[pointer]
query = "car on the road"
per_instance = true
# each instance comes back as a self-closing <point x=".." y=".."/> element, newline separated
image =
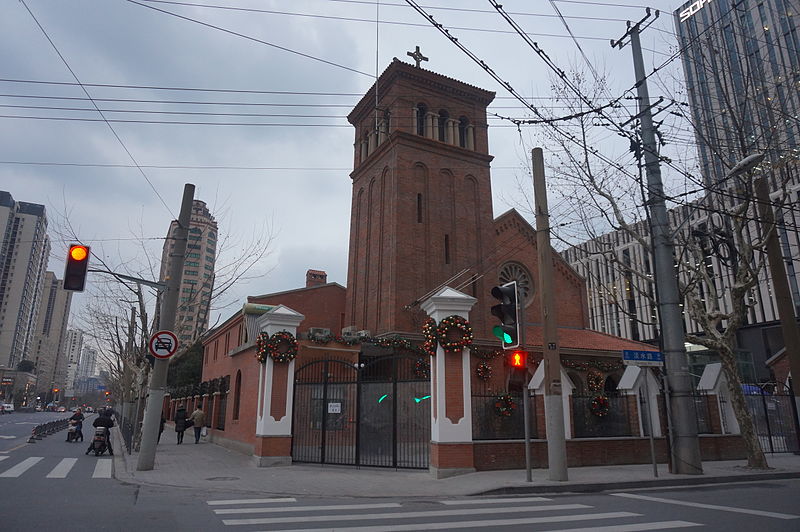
<point x="39" y="408"/>
<point x="62" y="409"/>
<point x="8" y="408"/>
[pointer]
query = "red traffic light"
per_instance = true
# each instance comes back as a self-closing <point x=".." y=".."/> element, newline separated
<point x="76" y="267"/>
<point x="518" y="359"/>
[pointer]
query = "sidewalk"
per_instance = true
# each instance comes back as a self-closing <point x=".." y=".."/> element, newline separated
<point x="211" y="467"/>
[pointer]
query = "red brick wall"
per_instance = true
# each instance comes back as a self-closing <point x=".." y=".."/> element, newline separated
<point x="602" y="451"/>
<point x="322" y="306"/>
<point x="516" y="241"/>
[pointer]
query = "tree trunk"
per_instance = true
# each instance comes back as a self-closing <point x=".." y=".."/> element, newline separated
<point x="755" y="456"/>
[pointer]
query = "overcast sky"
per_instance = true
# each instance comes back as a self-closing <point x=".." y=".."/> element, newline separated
<point x="287" y="175"/>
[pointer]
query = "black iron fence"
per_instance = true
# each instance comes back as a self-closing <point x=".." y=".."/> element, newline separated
<point x="701" y="408"/>
<point x="774" y="416"/>
<point x="595" y="418"/>
<point x="491" y="419"/>
<point x="126" y="429"/>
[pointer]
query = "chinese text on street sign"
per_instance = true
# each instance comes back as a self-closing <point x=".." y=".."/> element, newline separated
<point x="642" y="358"/>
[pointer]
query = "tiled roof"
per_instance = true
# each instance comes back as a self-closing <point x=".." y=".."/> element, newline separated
<point x="569" y="338"/>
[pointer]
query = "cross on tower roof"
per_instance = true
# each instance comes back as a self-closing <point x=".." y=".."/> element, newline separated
<point x="417" y="56"/>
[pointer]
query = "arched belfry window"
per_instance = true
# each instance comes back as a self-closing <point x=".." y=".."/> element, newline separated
<point x="422" y="111"/>
<point x="444" y="118"/>
<point x="463" y="125"/>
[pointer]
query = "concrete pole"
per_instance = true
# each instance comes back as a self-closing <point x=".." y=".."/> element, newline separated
<point x="553" y="402"/>
<point x="780" y="286"/>
<point x="166" y="322"/>
<point x="686" y="448"/>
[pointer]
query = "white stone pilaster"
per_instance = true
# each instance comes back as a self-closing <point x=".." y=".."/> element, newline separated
<point x="280" y="318"/>
<point x="448" y="302"/>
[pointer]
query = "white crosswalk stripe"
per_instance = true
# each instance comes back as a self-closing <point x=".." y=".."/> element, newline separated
<point x="251" y="501"/>
<point x="103" y="468"/>
<point x="21" y="467"/>
<point x="281" y="515"/>
<point x="57" y="468"/>
<point x="63" y="468"/>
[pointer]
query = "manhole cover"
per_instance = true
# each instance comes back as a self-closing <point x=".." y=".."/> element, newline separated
<point x="223" y="478"/>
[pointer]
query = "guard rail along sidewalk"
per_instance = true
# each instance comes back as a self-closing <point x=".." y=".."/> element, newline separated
<point x="45" y="429"/>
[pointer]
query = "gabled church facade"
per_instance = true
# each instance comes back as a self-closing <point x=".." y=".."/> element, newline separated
<point x="361" y="386"/>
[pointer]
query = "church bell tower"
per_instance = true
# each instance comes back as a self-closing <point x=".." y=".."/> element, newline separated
<point x="421" y="211"/>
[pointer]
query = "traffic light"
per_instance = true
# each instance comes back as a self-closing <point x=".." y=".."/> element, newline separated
<point x="508" y="330"/>
<point x="76" y="268"/>
<point x="518" y="359"/>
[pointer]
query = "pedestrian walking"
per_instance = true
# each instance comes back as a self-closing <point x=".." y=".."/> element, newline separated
<point x="161" y="427"/>
<point x="198" y="417"/>
<point x="180" y="423"/>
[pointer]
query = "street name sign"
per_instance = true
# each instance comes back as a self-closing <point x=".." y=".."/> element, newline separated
<point x="642" y="358"/>
<point x="163" y="344"/>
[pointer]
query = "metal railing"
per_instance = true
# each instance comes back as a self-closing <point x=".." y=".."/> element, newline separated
<point x="45" y="429"/>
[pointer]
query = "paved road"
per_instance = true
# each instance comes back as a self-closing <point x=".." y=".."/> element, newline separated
<point x="769" y="505"/>
<point x="52" y="485"/>
<point x="15" y="429"/>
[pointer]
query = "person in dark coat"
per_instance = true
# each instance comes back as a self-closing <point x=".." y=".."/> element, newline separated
<point x="78" y="418"/>
<point x="180" y="423"/>
<point x="161" y="427"/>
<point x="104" y="420"/>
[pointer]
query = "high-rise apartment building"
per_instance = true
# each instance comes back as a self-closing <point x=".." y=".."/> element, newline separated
<point x="197" y="278"/>
<point x="87" y="367"/>
<point x="24" y="251"/>
<point x="49" y="353"/>
<point x="73" y="348"/>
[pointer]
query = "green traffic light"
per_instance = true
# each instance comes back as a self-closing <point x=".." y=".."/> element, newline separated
<point x="501" y="334"/>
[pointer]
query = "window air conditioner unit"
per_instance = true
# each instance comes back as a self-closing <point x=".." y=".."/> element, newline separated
<point x="363" y="334"/>
<point x="318" y="332"/>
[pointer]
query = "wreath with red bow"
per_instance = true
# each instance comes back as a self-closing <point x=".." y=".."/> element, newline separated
<point x="281" y="347"/>
<point x="454" y="334"/>
<point x="600" y="406"/>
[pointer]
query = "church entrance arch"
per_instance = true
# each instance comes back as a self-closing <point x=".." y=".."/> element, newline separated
<point x="373" y="413"/>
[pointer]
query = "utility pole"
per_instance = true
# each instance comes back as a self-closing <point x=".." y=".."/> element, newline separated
<point x="166" y="322"/>
<point x="780" y="286"/>
<point x="553" y="400"/>
<point x="686" y="447"/>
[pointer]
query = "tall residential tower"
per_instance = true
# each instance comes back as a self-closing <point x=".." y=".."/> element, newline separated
<point x="197" y="280"/>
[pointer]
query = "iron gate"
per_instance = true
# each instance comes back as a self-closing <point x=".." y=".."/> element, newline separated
<point x="774" y="416"/>
<point x="375" y="413"/>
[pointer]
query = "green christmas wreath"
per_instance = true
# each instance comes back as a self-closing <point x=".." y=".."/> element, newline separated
<point x="281" y="347"/>
<point x="454" y="334"/>
<point x="504" y="405"/>
<point x="600" y="406"/>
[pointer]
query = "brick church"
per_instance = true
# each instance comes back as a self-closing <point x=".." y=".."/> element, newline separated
<point x="332" y="374"/>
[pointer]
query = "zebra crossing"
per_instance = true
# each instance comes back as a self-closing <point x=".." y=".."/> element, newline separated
<point x="530" y="513"/>
<point x="54" y="467"/>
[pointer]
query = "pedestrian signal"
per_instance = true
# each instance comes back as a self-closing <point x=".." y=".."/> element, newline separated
<point x="518" y="359"/>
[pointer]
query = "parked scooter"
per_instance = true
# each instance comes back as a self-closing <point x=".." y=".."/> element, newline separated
<point x="72" y="431"/>
<point x="100" y="441"/>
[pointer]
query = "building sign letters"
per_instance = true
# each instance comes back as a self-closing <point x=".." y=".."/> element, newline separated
<point x="687" y="13"/>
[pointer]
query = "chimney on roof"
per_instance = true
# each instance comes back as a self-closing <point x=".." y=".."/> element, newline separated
<point x="316" y="278"/>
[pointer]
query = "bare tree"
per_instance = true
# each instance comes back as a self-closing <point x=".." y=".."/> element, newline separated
<point x="719" y="261"/>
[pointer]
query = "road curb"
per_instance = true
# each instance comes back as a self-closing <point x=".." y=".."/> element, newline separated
<point x="594" y="487"/>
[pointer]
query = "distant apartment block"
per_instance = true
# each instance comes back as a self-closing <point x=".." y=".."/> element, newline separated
<point x="49" y="353"/>
<point x="24" y="251"/>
